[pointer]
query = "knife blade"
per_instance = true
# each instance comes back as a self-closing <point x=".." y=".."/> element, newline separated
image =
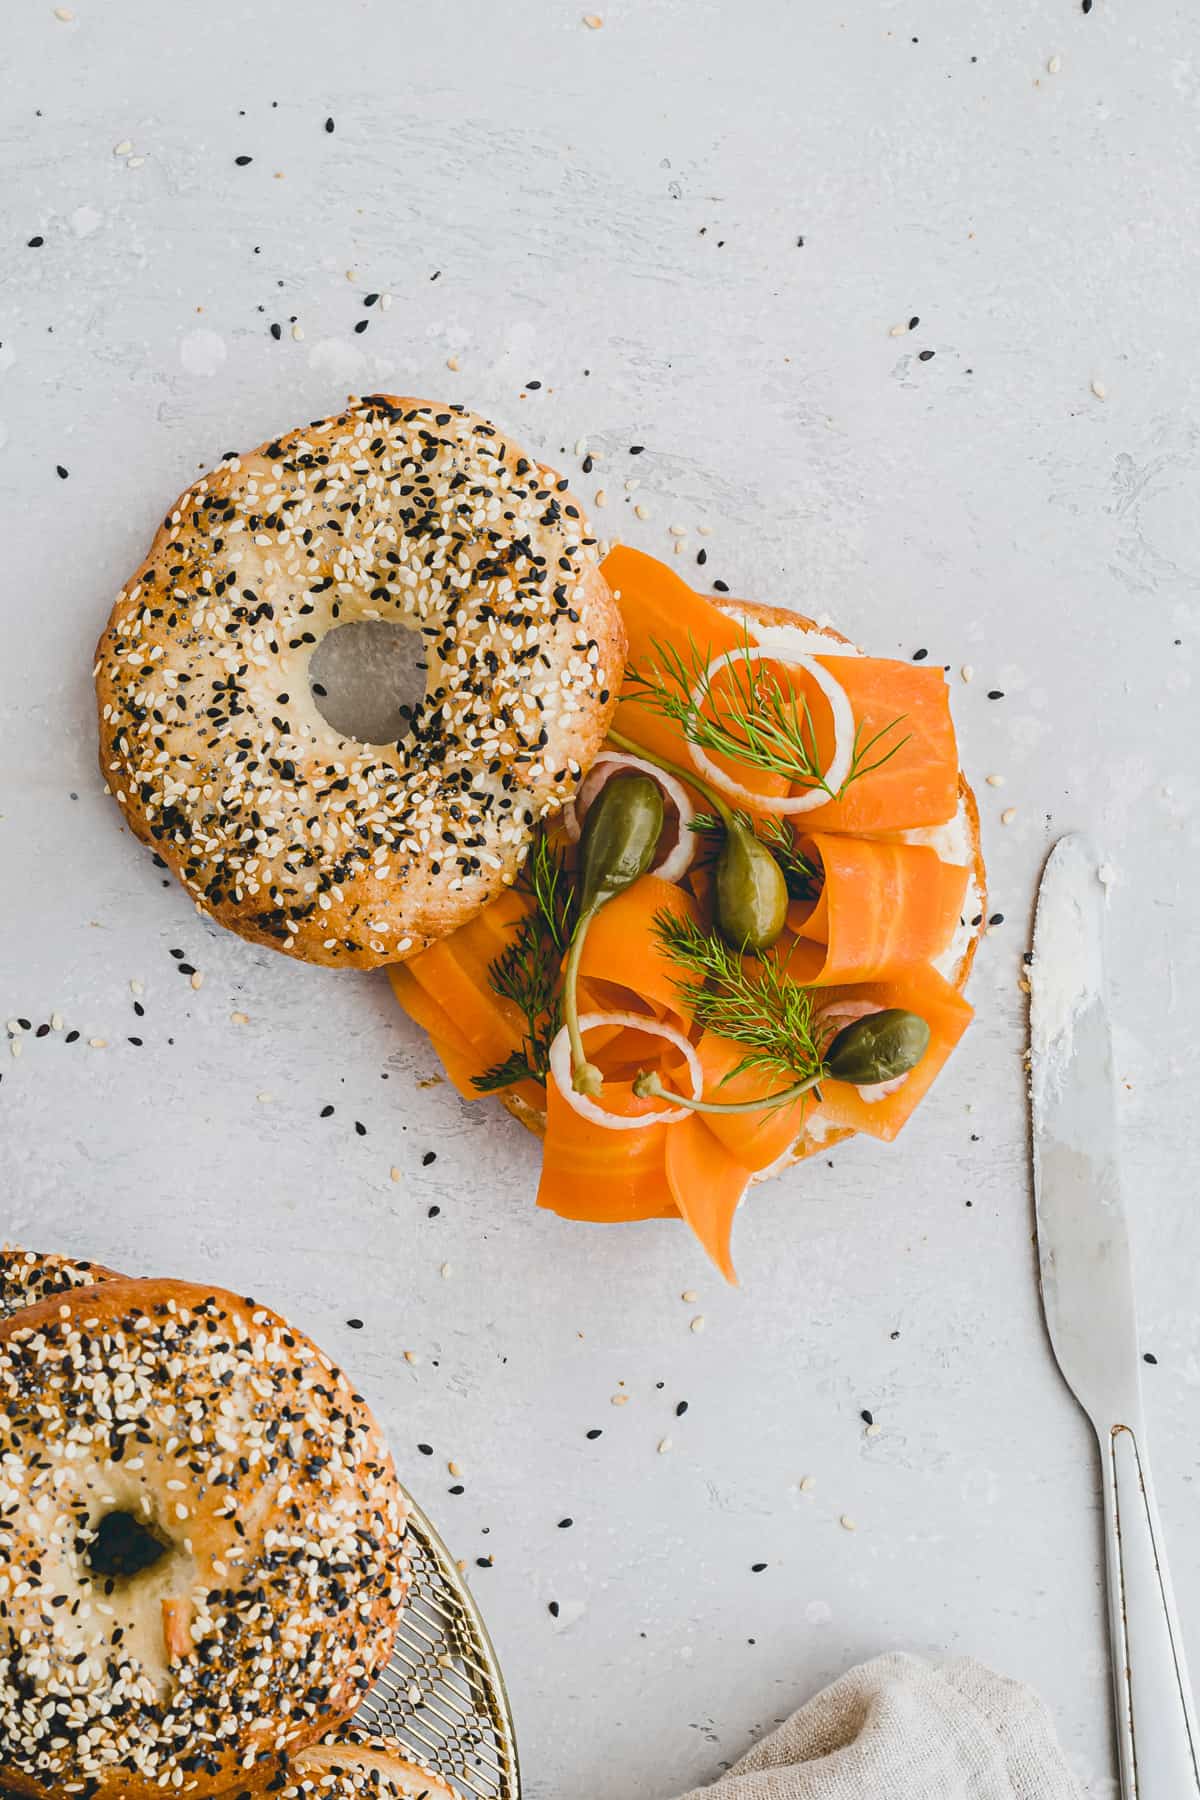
<point x="1083" y="1243"/>
<point x="1088" y="1299"/>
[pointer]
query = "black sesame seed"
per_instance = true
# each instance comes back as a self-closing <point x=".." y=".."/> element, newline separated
<point x="327" y="1112"/>
<point x="996" y="919"/>
<point x="594" y="1434"/>
<point x="139" y="1010"/>
<point x="433" y="1212"/>
<point x="552" y="1609"/>
<point x="1087" y="5"/>
<point x="136" y="1042"/>
<point x="702" y="557"/>
<point x="913" y="322"/>
<point x="587" y="465"/>
<point x="61" y="472"/>
<point x="35" y="243"/>
<point x="799" y="243"/>
<point x="1149" y="1356"/>
<point x="458" y="1488"/>
<point x="42" y="1031"/>
<point x="362" y="324"/>
<point x="355" y="1324"/>
<point x="867" y="1417"/>
<point x="329" y="125"/>
<point x="636" y="449"/>
<point x="241" y="161"/>
<point x="185" y="968"/>
<point x="483" y="1562"/>
<point x="533" y="385"/>
<point x="925" y="355"/>
<point x="72" y="1037"/>
<point x="920" y="655"/>
<point x="177" y="954"/>
<point x="893" y="1335"/>
<point x="565" y="1524"/>
<point x="277" y="332"/>
<point x="995" y="693"/>
<point x="757" y="1568"/>
<point x="360" y="1128"/>
<point x="722" y="587"/>
<point x="430" y="1156"/>
<point x="681" y="1409"/>
<point x="425" y="1449"/>
<point x="25" y="1024"/>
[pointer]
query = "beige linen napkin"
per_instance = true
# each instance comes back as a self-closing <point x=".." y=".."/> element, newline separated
<point x="898" y="1728"/>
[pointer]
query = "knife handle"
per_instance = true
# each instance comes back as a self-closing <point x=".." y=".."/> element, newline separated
<point x="1157" y="1738"/>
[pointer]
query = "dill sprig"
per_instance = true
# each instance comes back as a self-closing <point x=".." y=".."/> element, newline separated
<point x="800" y="873"/>
<point x="526" y="971"/>
<point x="752" y="1003"/>
<point x="749" y="720"/>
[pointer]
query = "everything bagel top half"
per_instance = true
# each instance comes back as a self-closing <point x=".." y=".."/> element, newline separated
<point x="280" y="827"/>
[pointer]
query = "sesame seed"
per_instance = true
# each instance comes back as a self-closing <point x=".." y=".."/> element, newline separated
<point x="966" y="673"/>
<point x="995" y="781"/>
<point x="242" y="161"/>
<point x="600" y="498"/>
<point x="1099" y="389"/>
<point x="619" y="1400"/>
<point x="1008" y="815"/>
<point x="807" y="1483"/>
<point x="196" y="979"/>
<point x="97" y="1043"/>
<point x="664" y="1444"/>
<point x="123" y="148"/>
<point x="698" y="1323"/>
<point x="847" y="1523"/>
<point x="239" y="1018"/>
<point x="1054" y="65"/>
<point x="593" y="21"/>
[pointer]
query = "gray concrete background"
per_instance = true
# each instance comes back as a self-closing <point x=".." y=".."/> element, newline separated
<point x="628" y="201"/>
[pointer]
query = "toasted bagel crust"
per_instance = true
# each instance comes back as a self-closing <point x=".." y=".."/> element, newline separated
<point x="283" y="829"/>
<point x="534" y="1119"/>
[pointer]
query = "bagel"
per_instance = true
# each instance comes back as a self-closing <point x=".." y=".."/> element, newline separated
<point x="202" y="1554"/>
<point x="358" y="1767"/>
<point x="287" y="831"/>
<point x="27" y="1276"/>
<point x="959" y="841"/>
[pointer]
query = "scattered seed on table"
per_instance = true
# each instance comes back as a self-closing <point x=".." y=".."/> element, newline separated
<point x="72" y="1037"/>
<point x="433" y="1212"/>
<point x="425" y="1449"/>
<point x="327" y="1112"/>
<point x="967" y="673"/>
<point x="1008" y="815"/>
<point x="995" y="780"/>
<point x="619" y="1400"/>
<point x="370" y="299"/>
<point x="913" y="322"/>
<point x="680" y="1409"/>
<point x="196" y="978"/>
<point x="355" y="1324"/>
<point x="847" y="1523"/>
<point x="97" y="1043"/>
<point x="874" y="1428"/>
<point x="807" y="1483"/>
<point x="594" y="1433"/>
<point x="483" y="1562"/>
<point x="360" y="1128"/>
<point x="702" y="557"/>
<point x="458" y="1488"/>
<point x="664" y="1445"/>
<point x="411" y="1356"/>
<point x="997" y="918"/>
<point x="277" y="332"/>
<point x="722" y="587"/>
<point x="995" y="693"/>
<point x="565" y="1524"/>
<point x="56" y="1021"/>
<point x="867" y="1417"/>
<point x="925" y="355"/>
<point x="1149" y="1356"/>
<point x="361" y="325"/>
<point x="394" y="1173"/>
<point x="239" y="1018"/>
<point x="1054" y="65"/>
<point x="601" y="498"/>
<point x="447" y="1271"/>
<point x="63" y="474"/>
<point x="757" y="1568"/>
<point x="329" y="125"/>
<point x="919" y="655"/>
<point x="1099" y="389"/>
<point x="552" y="1609"/>
<point x="35" y="243"/>
<point x="430" y="1156"/>
<point x="123" y="148"/>
<point x="643" y="512"/>
<point x="242" y="161"/>
<point x="698" y="1322"/>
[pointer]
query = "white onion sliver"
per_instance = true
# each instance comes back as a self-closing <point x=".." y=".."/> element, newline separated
<point x="560" y="1070"/>
<point x="843" y="735"/>
<point x="609" y="763"/>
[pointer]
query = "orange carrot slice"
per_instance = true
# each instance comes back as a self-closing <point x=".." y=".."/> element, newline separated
<point x="918" y="785"/>
<point x="454" y="974"/>
<point x="882" y="907"/>
<point x="756" y="1139"/>
<point x="920" y="990"/>
<point x="707" y="1183"/>
<point x="424" y="1010"/>
<point x="599" y="1176"/>
<point x="622" y="945"/>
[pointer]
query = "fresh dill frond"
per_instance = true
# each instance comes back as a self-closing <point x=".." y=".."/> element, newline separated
<point x="800" y="873"/>
<point x="752" y="1003"/>
<point x="504" y="1074"/>
<point x="527" y="969"/>
<point x="749" y="719"/>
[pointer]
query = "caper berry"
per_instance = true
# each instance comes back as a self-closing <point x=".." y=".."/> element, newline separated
<point x="878" y="1048"/>
<point x="751" y="893"/>
<point x="620" y="837"/>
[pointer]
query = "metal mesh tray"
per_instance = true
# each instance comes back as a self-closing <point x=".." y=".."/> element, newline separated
<point x="442" y="1693"/>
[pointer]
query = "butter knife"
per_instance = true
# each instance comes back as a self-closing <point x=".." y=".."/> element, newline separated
<point x="1087" y="1294"/>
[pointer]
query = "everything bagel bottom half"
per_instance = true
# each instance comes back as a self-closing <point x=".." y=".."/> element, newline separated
<point x="202" y="1555"/>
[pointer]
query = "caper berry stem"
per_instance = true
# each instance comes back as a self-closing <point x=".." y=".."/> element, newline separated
<point x="647" y="1086"/>
<point x="585" y="1076"/>
<point x="715" y="799"/>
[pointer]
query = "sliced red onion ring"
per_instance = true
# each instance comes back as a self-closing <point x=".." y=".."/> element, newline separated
<point x="560" y="1070"/>
<point x="843" y="735"/>
<point x="609" y="763"/>
<point x="844" y="1012"/>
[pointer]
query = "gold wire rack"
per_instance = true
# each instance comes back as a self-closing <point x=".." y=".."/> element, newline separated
<point x="442" y="1693"/>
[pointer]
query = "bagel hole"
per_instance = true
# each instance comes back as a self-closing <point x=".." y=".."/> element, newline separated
<point x="123" y="1546"/>
<point x="367" y="678"/>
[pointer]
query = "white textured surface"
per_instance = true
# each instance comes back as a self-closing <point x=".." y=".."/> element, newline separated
<point x="628" y="201"/>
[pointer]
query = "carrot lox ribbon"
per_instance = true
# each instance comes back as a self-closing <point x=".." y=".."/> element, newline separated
<point x="920" y="990"/>
<point x="882" y="907"/>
